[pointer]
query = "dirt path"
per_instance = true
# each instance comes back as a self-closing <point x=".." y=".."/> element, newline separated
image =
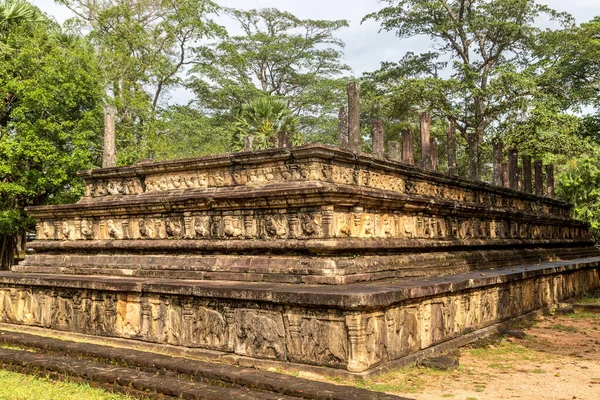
<point x="558" y="360"/>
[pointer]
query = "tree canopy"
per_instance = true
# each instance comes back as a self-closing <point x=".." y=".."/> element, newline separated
<point x="50" y="118"/>
<point x="295" y="60"/>
<point x="482" y="71"/>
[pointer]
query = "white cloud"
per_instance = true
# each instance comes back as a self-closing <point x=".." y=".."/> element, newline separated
<point x="59" y="12"/>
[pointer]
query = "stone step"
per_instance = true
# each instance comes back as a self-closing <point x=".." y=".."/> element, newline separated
<point x="326" y="270"/>
<point x="126" y="377"/>
<point x="136" y="372"/>
<point x="590" y="308"/>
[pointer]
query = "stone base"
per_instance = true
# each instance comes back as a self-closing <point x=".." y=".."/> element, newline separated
<point x="330" y="262"/>
<point x="355" y="328"/>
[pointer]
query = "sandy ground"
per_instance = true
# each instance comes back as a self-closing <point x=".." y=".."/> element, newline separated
<point x="558" y="360"/>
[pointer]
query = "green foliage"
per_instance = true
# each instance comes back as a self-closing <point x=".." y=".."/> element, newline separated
<point x="262" y="119"/>
<point x="579" y="184"/>
<point x="15" y="386"/>
<point x="488" y="47"/>
<point x="547" y="130"/>
<point x="18" y="12"/>
<point x="277" y="55"/>
<point x="572" y="61"/>
<point x="144" y="51"/>
<point x="50" y="120"/>
<point x="183" y="132"/>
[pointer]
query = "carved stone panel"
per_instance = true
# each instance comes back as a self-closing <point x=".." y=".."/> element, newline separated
<point x="402" y="334"/>
<point x="209" y="329"/>
<point x="259" y="334"/>
<point x="318" y="340"/>
<point x="129" y="315"/>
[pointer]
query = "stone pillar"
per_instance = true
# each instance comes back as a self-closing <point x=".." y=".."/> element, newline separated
<point x="505" y="180"/>
<point x="378" y="137"/>
<point x="343" y="141"/>
<point x="354" y="117"/>
<point x="394" y="151"/>
<point x="434" y="154"/>
<point x="426" y="141"/>
<point x="550" y="181"/>
<point x="513" y="169"/>
<point x="248" y="143"/>
<point x="451" y="135"/>
<point x="539" y="178"/>
<point x="526" y="176"/>
<point x="284" y="140"/>
<point x="109" y="158"/>
<point x="497" y="175"/>
<point x="407" y="147"/>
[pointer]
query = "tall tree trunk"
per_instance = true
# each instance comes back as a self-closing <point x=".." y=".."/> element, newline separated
<point x="8" y="245"/>
<point x="451" y="135"/>
<point x="473" y="143"/>
<point x="475" y="139"/>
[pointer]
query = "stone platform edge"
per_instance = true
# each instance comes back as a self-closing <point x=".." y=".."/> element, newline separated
<point x="280" y="367"/>
<point x="356" y="297"/>
<point x="355" y="328"/>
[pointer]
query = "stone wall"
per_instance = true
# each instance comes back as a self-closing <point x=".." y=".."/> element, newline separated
<point x="355" y="335"/>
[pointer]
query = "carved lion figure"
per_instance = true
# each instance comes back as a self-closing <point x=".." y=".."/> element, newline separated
<point x="114" y="231"/>
<point x="276" y="227"/>
<point x="87" y="231"/>
<point x="232" y="227"/>
<point x="173" y="228"/>
<point x="201" y="227"/>
<point x="66" y="231"/>
<point x="310" y="227"/>
<point x="146" y="229"/>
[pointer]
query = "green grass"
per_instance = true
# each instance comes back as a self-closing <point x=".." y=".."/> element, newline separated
<point x="538" y="371"/>
<point x="500" y="366"/>
<point x="583" y="315"/>
<point x="480" y="388"/>
<point x="589" y="299"/>
<point x="564" y="328"/>
<point x="15" y="386"/>
<point x="506" y="352"/>
<point x="405" y="380"/>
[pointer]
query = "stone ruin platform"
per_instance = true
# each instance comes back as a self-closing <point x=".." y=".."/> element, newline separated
<point x="311" y="257"/>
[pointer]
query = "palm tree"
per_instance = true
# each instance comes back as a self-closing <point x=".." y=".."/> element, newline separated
<point x="14" y="12"/>
<point x="262" y="119"/>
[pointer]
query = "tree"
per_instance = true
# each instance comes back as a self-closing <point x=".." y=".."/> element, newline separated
<point x="580" y="186"/>
<point x="263" y="119"/>
<point x="183" y="132"/>
<point x="572" y="59"/>
<point x="50" y="121"/>
<point x="280" y="55"/>
<point x="146" y="47"/>
<point x="18" y="12"/>
<point x="490" y="47"/>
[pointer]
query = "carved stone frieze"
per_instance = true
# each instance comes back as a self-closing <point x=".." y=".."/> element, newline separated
<point x="355" y="340"/>
<point x="260" y="334"/>
<point x="317" y="337"/>
<point x="301" y="224"/>
<point x="114" y="187"/>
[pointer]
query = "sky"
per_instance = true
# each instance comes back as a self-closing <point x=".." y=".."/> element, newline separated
<point x="366" y="47"/>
